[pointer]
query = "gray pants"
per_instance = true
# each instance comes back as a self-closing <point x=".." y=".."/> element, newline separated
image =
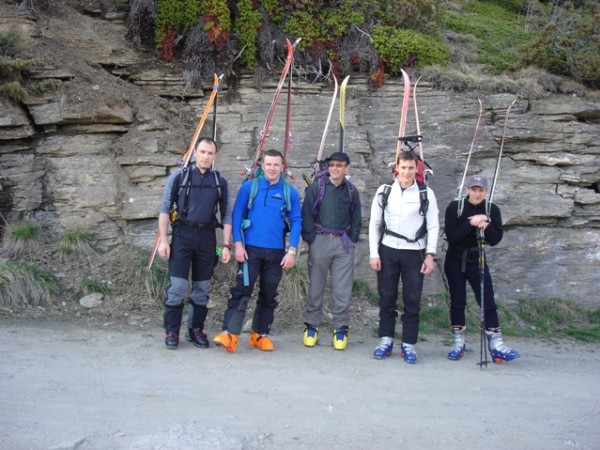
<point x="328" y="255"/>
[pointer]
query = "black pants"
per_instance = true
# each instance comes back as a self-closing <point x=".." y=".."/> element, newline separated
<point x="455" y="262"/>
<point x="396" y="265"/>
<point x="263" y="263"/>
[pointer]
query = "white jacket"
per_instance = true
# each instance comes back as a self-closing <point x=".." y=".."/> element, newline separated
<point x="402" y="217"/>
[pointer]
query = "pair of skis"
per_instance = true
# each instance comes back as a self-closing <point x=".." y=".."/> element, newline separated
<point x="211" y="103"/>
<point x="251" y="171"/>
<point x="407" y="143"/>
<point x="319" y="167"/>
<point x="481" y="257"/>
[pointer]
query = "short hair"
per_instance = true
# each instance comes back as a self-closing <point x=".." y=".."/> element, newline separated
<point x="409" y="155"/>
<point x="207" y="139"/>
<point x="273" y="152"/>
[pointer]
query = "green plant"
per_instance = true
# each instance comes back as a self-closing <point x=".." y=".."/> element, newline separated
<point x="24" y="284"/>
<point x="8" y="42"/>
<point x="248" y="24"/>
<point x="499" y="32"/>
<point x="13" y="91"/>
<point x="407" y="48"/>
<point x="22" y="239"/>
<point x="75" y="242"/>
<point x="361" y="289"/>
<point x="90" y="286"/>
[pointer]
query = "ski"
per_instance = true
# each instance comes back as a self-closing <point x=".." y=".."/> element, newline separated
<point x="499" y="158"/>
<point x="423" y="172"/>
<point x="403" y="140"/>
<point x="250" y="172"/>
<point x="318" y="167"/>
<point x="188" y="154"/>
<point x="403" y="114"/>
<point x="287" y="144"/>
<point x="343" y="113"/>
<point x="464" y="176"/>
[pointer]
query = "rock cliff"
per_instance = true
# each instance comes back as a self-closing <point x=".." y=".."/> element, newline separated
<point x="95" y="155"/>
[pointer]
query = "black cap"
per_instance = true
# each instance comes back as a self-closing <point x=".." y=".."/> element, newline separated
<point x="339" y="156"/>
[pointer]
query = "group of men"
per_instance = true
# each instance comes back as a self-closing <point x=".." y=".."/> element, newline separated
<point x="268" y="215"/>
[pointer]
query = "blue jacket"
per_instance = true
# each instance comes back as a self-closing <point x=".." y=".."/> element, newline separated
<point x="267" y="224"/>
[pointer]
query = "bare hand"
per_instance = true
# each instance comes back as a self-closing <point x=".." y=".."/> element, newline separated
<point x="427" y="266"/>
<point x="225" y="255"/>
<point x="288" y="261"/>
<point x="375" y="264"/>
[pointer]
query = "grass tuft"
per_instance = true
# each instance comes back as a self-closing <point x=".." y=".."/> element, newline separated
<point x="24" y="284"/>
<point x="22" y="240"/>
<point x="75" y="243"/>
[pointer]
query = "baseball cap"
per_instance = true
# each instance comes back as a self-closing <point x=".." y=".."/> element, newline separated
<point x="339" y="156"/>
<point x="477" y="180"/>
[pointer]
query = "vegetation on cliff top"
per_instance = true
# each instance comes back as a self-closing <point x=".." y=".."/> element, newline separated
<point x="374" y="36"/>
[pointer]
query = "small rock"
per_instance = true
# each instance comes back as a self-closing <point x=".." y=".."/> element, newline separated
<point x="92" y="300"/>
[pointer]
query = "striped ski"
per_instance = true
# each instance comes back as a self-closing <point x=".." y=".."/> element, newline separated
<point x="250" y="172"/>
<point x="188" y="154"/>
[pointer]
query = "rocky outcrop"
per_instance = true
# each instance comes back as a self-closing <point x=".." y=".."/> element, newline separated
<point x="96" y="154"/>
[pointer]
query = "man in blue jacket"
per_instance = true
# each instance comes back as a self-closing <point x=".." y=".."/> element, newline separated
<point x="263" y="210"/>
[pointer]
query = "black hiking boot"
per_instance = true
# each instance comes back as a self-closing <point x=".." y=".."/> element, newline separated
<point x="172" y="340"/>
<point x="198" y="337"/>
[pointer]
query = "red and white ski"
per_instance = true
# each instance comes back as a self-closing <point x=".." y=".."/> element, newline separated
<point x="250" y="172"/>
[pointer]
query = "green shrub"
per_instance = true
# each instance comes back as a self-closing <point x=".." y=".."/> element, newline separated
<point x="407" y="48"/>
<point x="8" y="43"/>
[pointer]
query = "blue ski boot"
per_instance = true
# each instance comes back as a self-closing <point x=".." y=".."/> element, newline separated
<point x="384" y="349"/>
<point x="498" y="350"/>
<point x="408" y="353"/>
<point x="457" y="350"/>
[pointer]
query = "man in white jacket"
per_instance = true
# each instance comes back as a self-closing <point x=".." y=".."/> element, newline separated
<point x="403" y="234"/>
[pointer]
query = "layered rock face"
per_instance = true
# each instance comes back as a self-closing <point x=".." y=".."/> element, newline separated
<point x="95" y="155"/>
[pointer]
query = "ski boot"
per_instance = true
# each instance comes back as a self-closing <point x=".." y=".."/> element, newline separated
<point x="499" y="351"/>
<point x="408" y="353"/>
<point x="457" y="350"/>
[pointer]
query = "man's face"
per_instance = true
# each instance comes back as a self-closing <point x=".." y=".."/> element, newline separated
<point x="476" y="194"/>
<point x="205" y="155"/>
<point x="337" y="170"/>
<point x="407" y="169"/>
<point x="272" y="167"/>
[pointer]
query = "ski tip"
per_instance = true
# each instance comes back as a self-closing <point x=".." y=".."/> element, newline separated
<point x="296" y="42"/>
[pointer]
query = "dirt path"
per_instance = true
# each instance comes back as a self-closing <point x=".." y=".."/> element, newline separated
<point x="64" y="385"/>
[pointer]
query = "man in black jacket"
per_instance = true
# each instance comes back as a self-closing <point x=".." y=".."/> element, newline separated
<point x="464" y="219"/>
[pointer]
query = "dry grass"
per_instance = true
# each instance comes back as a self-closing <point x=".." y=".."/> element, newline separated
<point x="22" y="240"/>
<point x="24" y="285"/>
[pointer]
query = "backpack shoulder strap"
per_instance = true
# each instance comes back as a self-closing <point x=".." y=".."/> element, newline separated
<point x="423" y="198"/>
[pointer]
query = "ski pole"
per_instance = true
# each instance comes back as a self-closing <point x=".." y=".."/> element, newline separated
<point x="483" y="361"/>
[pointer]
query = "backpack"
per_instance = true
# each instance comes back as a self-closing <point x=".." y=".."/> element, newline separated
<point x="322" y="180"/>
<point x="422" y="231"/>
<point x="187" y="186"/>
<point x="254" y="190"/>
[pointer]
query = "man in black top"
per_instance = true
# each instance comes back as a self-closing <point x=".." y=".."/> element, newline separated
<point x="197" y="193"/>
<point x="464" y="219"/>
